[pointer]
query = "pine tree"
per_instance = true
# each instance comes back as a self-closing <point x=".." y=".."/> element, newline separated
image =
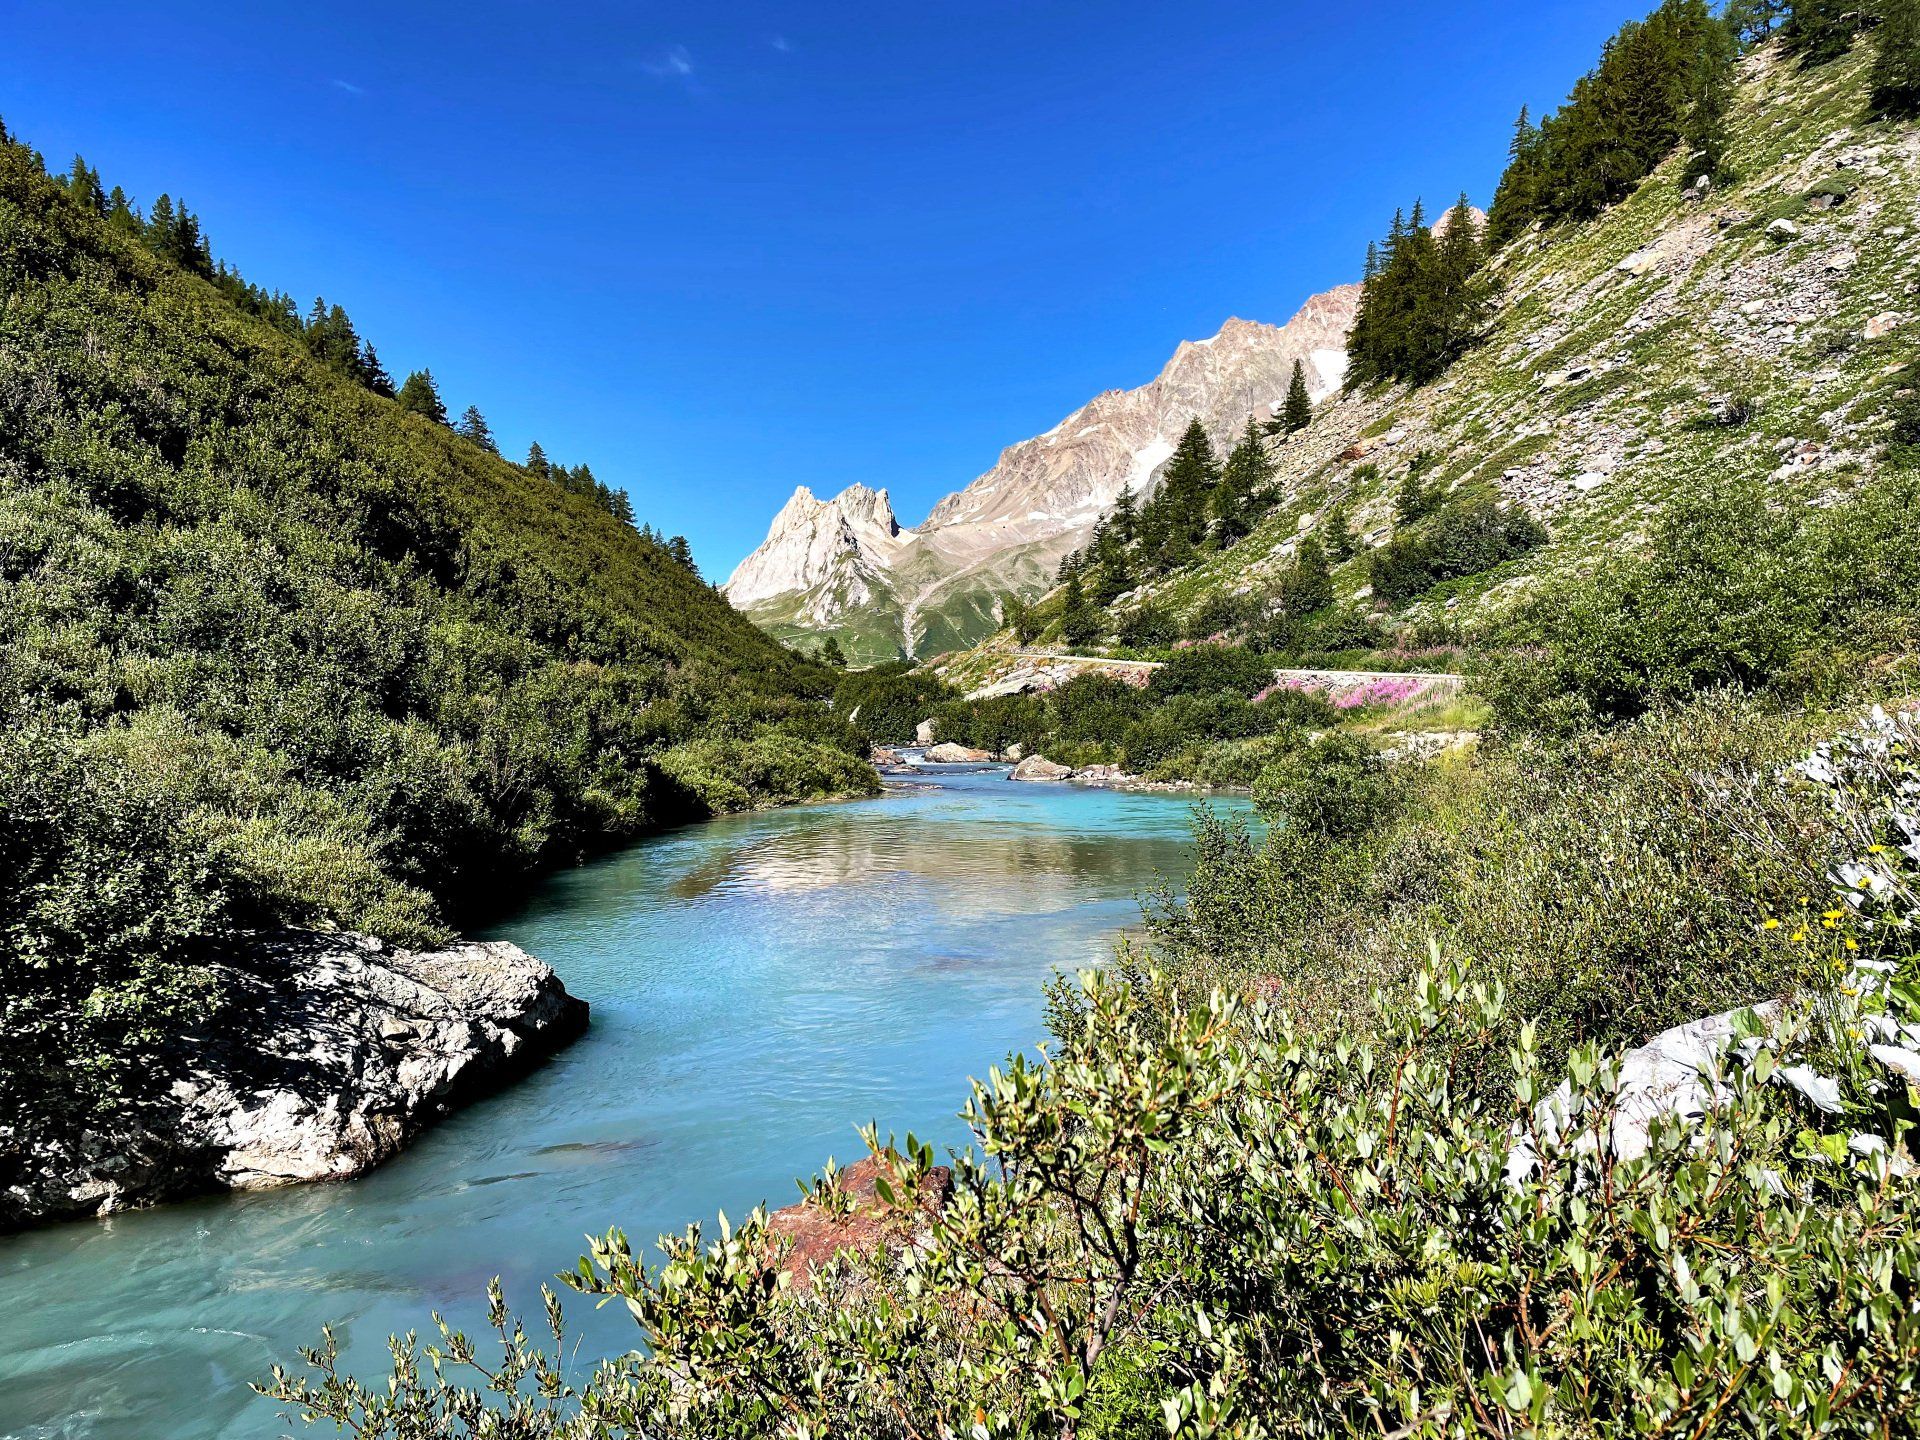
<point x="832" y="654"/>
<point x="1819" y="31"/>
<point x="1079" y="621"/>
<point x="83" y="186"/>
<point x="1298" y="411"/>
<point x="1516" y="200"/>
<point x="1342" y="544"/>
<point x="1191" y="475"/>
<point x="1243" y="481"/>
<point x="473" y="425"/>
<point x="1705" y="136"/>
<point x="121" y="214"/>
<point x="1307" y="585"/>
<point x="1751" y="22"/>
<point x="420" y="395"/>
<point x="373" y="374"/>
<point x="1124" y="517"/>
<point x="1896" y="62"/>
<point x="536" y="461"/>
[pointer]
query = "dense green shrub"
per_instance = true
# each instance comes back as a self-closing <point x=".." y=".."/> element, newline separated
<point x="1200" y="1222"/>
<point x="1614" y="884"/>
<point x="1210" y="669"/>
<point x="1734" y="590"/>
<point x="1465" y="536"/>
<point x="275" y="651"/>
<point x="887" y="703"/>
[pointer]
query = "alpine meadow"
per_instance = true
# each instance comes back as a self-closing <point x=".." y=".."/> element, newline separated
<point x="1368" y="885"/>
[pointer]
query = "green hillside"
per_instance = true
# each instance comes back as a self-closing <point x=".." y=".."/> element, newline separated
<point x="1684" y="341"/>
<point x="275" y="650"/>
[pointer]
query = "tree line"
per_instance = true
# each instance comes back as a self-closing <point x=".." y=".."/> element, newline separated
<point x="171" y="231"/>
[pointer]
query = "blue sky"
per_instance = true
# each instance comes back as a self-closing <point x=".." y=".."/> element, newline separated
<point x="717" y="251"/>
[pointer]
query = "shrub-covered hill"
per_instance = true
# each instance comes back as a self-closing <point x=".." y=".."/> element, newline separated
<point x="1752" y="332"/>
<point x="275" y="651"/>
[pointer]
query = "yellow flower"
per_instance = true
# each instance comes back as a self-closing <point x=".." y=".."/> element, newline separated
<point x="1770" y="925"/>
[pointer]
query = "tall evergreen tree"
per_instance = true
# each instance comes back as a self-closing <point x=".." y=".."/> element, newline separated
<point x="1297" y="414"/>
<point x="1191" y="475"/>
<point x="422" y="396"/>
<point x="121" y="214"/>
<point x="1341" y="543"/>
<point x="83" y="185"/>
<point x="1307" y="584"/>
<point x="1896" y="62"/>
<point x="473" y="425"/>
<point x="1079" y="620"/>
<point x="372" y="373"/>
<point x="1752" y="22"/>
<point x="536" y="461"/>
<point x="1243" y="481"/>
<point x="1516" y="201"/>
<point x="1819" y="31"/>
<point x="1124" y="517"/>
<point x="1704" y="136"/>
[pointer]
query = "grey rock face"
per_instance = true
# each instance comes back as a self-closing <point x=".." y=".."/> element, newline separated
<point x="332" y="1053"/>
<point x="1038" y="767"/>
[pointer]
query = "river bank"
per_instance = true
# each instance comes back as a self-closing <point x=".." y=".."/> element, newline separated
<point x="761" y="984"/>
<point x="329" y="1054"/>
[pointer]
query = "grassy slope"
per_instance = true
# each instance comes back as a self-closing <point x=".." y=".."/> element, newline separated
<point x="1664" y="348"/>
<point x="363" y="664"/>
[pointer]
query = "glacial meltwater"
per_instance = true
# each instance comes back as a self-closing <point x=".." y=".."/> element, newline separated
<point x="760" y="985"/>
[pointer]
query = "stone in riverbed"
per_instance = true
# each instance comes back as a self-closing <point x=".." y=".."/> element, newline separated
<point x="330" y="1056"/>
<point x="1038" y="767"/>
<point x="923" y="733"/>
<point x="859" y="1223"/>
<point x="948" y="753"/>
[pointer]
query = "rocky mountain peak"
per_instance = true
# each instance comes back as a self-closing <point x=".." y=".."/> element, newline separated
<point x="1008" y="529"/>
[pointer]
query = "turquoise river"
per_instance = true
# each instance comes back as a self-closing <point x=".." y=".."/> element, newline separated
<point x="760" y="985"/>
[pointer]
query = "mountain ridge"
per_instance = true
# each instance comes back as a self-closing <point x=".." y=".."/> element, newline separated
<point x="830" y="568"/>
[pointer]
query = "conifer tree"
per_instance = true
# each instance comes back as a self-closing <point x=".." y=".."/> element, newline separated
<point x="1751" y="22"/>
<point x="1819" y="31"/>
<point x="1079" y="621"/>
<point x="1307" y="584"/>
<point x="831" y="653"/>
<point x="1896" y="62"/>
<point x="1341" y="543"/>
<point x="420" y="395"/>
<point x="83" y="185"/>
<point x="1298" y="411"/>
<point x="1516" y="200"/>
<point x="372" y="373"/>
<point x="536" y="461"/>
<point x="1704" y="136"/>
<point x="1181" y="506"/>
<point x="120" y="213"/>
<point x="1124" y="517"/>
<point x="1243" y="480"/>
<point x="473" y="425"/>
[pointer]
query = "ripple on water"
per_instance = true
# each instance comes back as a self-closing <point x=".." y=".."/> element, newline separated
<point x="760" y="985"/>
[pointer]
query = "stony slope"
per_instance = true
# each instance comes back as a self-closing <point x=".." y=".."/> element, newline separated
<point x="845" y="567"/>
<point x="1599" y="392"/>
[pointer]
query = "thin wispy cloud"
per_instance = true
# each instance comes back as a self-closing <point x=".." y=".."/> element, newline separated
<point x="673" y="63"/>
<point x="781" y="43"/>
<point x="348" y="87"/>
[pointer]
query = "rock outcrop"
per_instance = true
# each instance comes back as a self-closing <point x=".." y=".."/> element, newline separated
<point x="948" y="753"/>
<point x="857" y="1222"/>
<point x="331" y="1054"/>
<point x="845" y="566"/>
<point x="1038" y="767"/>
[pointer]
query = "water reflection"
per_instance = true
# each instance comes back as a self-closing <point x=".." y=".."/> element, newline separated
<point x="760" y="986"/>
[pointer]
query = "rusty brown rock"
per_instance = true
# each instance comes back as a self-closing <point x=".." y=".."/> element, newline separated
<point x="812" y="1233"/>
